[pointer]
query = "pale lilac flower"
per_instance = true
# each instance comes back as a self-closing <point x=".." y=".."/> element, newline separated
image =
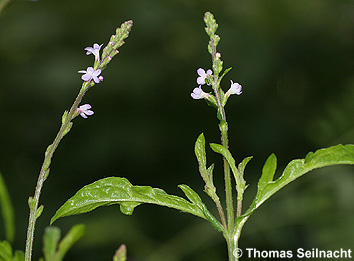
<point x="234" y="89"/>
<point x="198" y="93"/>
<point x="90" y="73"/>
<point x="203" y="75"/>
<point x="95" y="50"/>
<point x="85" y="110"/>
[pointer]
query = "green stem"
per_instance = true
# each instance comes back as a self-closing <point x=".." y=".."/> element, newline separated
<point x="45" y="169"/>
<point x="231" y="248"/>
<point x="221" y="213"/>
<point x="227" y="174"/>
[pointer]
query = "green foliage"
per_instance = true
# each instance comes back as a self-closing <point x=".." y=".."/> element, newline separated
<point x="55" y="252"/>
<point x="115" y="190"/>
<point x="335" y="155"/>
<point x="207" y="174"/>
<point x="240" y="182"/>
<point x="51" y="238"/>
<point x="7" y="211"/>
<point x="7" y="255"/>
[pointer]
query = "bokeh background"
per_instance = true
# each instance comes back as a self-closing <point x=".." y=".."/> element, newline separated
<point x="294" y="59"/>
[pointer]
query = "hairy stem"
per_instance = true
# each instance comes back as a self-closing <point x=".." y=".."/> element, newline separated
<point x="45" y="170"/>
<point x="224" y="141"/>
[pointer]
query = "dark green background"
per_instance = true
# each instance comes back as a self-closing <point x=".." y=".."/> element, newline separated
<point x="294" y="60"/>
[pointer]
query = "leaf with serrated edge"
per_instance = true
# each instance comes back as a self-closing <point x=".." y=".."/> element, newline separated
<point x="335" y="155"/>
<point x="115" y="190"/>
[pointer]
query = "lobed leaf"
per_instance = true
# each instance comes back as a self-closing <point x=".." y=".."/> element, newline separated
<point x="116" y="190"/>
<point x="335" y="155"/>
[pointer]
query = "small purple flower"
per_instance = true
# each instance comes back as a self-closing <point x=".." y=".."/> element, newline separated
<point x="90" y="73"/>
<point x="234" y="89"/>
<point x="95" y="50"/>
<point x="198" y="93"/>
<point x="203" y="75"/>
<point x="85" y="110"/>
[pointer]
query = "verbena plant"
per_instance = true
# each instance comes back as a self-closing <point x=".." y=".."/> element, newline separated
<point x="118" y="190"/>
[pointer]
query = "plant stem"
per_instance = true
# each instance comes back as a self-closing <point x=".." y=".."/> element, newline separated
<point x="221" y="213"/>
<point x="45" y="170"/>
<point x="231" y="248"/>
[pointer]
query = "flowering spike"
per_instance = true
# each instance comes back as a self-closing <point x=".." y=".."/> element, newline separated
<point x="115" y="42"/>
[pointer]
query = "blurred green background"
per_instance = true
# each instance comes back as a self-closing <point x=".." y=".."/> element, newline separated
<point x="294" y="59"/>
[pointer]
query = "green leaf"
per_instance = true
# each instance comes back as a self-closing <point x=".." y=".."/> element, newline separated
<point x="199" y="150"/>
<point x="225" y="72"/>
<point x="121" y="253"/>
<point x="51" y="238"/>
<point x="194" y="198"/>
<point x="7" y="211"/>
<point x="335" y="155"/>
<point x="240" y="183"/>
<point x="63" y="118"/>
<point x="115" y="190"/>
<point x="242" y="165"/>
<point x="39" y="211"/>
<point x="19" y="255"/>
<point x="5" y="251"/>
<point x="268" y="172"/>
<point x="74" y="234"/>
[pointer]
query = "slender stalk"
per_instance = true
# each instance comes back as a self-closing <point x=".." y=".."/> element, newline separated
<point x="221" y="213"/>
<point x="224" y="141"/>
<point x="45" y="170"/>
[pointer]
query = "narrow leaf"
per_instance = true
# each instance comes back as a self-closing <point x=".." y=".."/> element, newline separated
<point x="199" y="150"/>
<point x="240" y="183"/>
<point x="51" y="238"/>
<point x="7" y="211"/>
<point x="74" y="234"/>
<point x="115" y="190"/>
<point x="335" y="155"/>
<point x="268" y="172"/>
<point x="194" y="197"/>
<point x="242" y="165"/>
